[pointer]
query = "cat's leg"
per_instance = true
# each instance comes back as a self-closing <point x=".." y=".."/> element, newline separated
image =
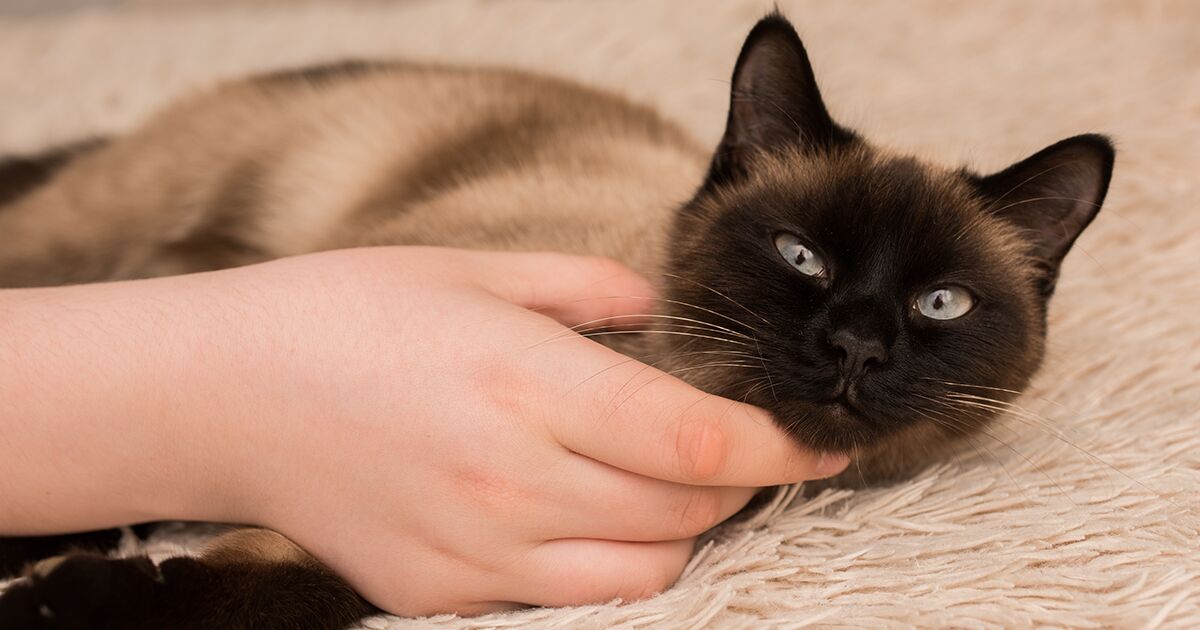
<point x="250" y="578"/>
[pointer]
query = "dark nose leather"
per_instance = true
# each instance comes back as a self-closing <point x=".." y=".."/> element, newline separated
<point x="858" y="353"/>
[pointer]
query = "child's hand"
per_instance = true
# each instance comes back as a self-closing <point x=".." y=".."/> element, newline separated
<point x="405" y="416"/>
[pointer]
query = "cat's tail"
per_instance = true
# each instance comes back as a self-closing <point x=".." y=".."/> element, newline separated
<point x="21" y="175"/>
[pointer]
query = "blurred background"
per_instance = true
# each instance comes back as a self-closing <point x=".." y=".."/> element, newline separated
<point x="42" y="7"/>
<point x="32" y="7"/>
<point x="46" y="7"/>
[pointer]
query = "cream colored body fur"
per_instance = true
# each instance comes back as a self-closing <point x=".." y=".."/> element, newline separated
<point x="396" y="154"/>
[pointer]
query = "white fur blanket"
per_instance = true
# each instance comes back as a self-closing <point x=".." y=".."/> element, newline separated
<point x="1081" y="512"/>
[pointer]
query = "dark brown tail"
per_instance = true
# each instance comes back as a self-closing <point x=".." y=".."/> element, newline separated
<point x="18" y="553"/>
<point x="248" y="579"/>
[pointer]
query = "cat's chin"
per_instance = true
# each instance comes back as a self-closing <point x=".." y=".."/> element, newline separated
<point x="841" y="418"/>
<point x="834" y="426"/>
<point x="840" y="413"/>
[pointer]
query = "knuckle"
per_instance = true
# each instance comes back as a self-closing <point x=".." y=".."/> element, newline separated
<point x="492" y="491"/>
<point x="703" y="448"/>
<point x="697" y="513"/>
<point x="509" y="389"/>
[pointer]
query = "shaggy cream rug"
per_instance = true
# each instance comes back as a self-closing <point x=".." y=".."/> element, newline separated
<point x="1080" y="512"/>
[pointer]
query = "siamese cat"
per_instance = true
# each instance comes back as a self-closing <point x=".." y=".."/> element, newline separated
<point x="873" y="285"/>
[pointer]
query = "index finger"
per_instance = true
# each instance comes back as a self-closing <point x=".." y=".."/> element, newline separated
<point x="635" y="417"/>
<point x="573" y="290"/>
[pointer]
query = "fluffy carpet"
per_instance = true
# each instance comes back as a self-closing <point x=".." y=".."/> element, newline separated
<point x="1080" y="511"/>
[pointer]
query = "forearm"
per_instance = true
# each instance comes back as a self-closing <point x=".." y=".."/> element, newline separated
<point x="96" y="426"/>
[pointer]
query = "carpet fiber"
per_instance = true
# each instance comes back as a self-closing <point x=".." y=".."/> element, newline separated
<point x="1080" y="511"/>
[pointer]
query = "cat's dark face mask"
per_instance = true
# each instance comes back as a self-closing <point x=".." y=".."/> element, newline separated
<point x="871" y="302"/>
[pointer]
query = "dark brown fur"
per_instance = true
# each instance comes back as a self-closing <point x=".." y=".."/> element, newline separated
<point x="247" y="579"/>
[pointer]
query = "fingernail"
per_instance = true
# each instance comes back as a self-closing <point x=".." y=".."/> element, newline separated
<point x="829" y="464"/>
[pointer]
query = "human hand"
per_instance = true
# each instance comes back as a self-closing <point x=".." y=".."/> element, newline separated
<point x="403" y="415"/>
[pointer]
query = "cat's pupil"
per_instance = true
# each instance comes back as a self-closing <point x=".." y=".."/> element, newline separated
<point x="945" y="303"/>
<point x="804" y="259"/>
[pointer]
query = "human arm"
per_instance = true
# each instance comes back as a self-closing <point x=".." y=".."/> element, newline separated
<point x="399" y="412"/>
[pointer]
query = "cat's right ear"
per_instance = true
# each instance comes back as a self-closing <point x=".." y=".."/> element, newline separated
<point x="774" y="102"/>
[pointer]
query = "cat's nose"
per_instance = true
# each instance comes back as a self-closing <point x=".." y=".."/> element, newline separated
<point x="858" y="353"/>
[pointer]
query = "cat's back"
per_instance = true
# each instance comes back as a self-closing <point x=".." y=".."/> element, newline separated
<point x="395" y="153"/>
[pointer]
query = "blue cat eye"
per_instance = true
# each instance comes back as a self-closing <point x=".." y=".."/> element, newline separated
<point x="800" y="256"/>
<point x="945" y="303"/>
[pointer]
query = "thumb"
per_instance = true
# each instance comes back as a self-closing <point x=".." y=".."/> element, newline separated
<point x="571" y="289"/>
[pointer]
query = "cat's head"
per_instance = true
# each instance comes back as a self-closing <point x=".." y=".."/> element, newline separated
<point x="875" y="304"/>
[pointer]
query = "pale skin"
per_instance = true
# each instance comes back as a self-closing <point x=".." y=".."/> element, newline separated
<point x="419" y="419"/>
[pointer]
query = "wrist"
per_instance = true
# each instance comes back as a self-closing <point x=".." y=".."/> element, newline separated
<point x="100" y="432"/>
<point x="200" y="398"/>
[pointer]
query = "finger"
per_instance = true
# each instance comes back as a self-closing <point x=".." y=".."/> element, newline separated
<point x="600" y="501"/>
<point x="575" y="290"/>
<point x="632" y="416"/>
<point x="574" y="572"/>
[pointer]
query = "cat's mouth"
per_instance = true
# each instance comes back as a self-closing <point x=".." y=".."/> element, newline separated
<point x="843" y="418"/>
<point x="842" y="410"/>
<point x="846" y="398"/>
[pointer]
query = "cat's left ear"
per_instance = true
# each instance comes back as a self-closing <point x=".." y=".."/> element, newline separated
<point x="1052" y="195"/>
<point x="774" y="102"/>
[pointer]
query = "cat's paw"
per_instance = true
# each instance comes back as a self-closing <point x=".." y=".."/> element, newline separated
<point x="83" y="591"/>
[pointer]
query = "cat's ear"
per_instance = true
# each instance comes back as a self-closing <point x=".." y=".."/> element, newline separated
<point x="774" y="102"/>
<point x="1052" y="195"/>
